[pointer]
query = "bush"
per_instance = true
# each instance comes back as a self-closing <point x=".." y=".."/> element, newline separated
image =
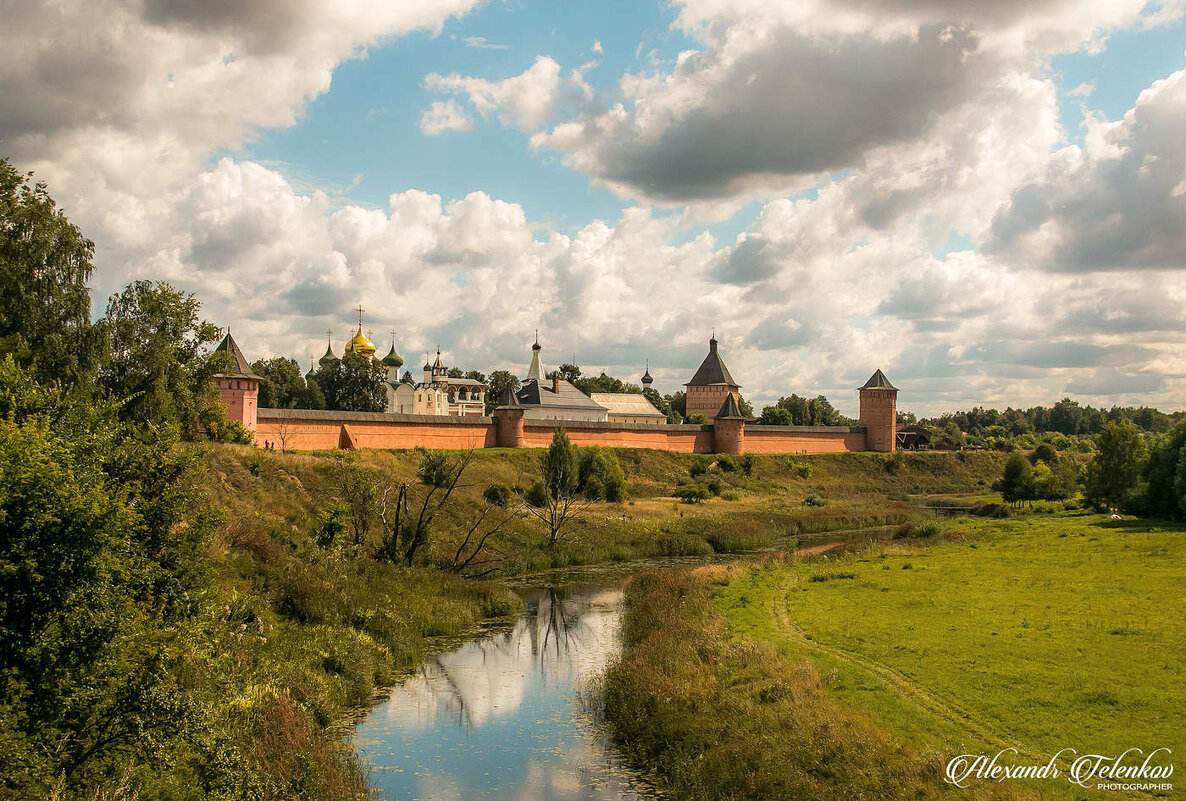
<point x="332" y="525"/>
<point x="699" y="467"/>
<point x="801" y="469"/>
<point x="726" y="464"/>
<point x="917" y="531"/>
<point x="748" y="462"/>
<point x="815" y="499"/>
<point x="714" y="486"/>
<point x="992" y="510"/>
<point x="693" y="493"/>
<point x="600" y="475"/>
<point x="731" y="495"/>
<point x="497" y="495"/>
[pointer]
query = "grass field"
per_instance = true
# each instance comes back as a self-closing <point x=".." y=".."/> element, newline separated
<point x="1039" y="633"/>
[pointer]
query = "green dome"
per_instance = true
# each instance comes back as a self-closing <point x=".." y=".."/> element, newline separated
<point x="328" y="359"/>
<point x="392" y="359"/>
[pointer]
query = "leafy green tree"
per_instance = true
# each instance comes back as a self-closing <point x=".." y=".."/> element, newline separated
<point x="45" y="305"/>
<point x="1113" y="477"/>
<point x="353" y="383"/>
<point x="817" y="411"/>
<point x="775" y="416"/>
<point x="600" y="475"/>
<point x="158" y="368"/>
<point x="408" y="520"/>
<point x="678" y="401"/>
<point x="1166" y="476"/>
<point x="555" y="499"/>
<point x="455" y="372"/>
<point x="281" y="383"/>
<point x="98" y="574"/>
<point x="1045" y="452"/>
<point x="697" y="419"/>
<point x="474" y="375"/>
<point x="1017" y="483"/>
<point x="496" y="387"/>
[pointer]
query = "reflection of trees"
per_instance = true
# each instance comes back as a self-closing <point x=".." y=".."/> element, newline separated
<point x="560" y="638"/>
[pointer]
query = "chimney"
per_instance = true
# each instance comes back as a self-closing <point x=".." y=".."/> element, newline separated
<point x="556" y="383"/>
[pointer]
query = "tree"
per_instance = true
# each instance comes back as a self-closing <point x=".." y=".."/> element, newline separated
<point x="406" y="528"/>
<point x="281" y="384"/>
<point x="745" y="407"/>
<point x="816" y="411"/>
<point x="678" y="401"/>
<point x="353" y="383"/>
<point x="45" y="305"/>
<point x="1045" y="452"/>
<point x="1166" y="476"/>
<point x="600" y="475"/>
<point x="158" y="369"/>
<point x="775" y="416"/>
<point x="1017" y="483"/>
<point x="455" y="372"/>
<point x="555" y="498"/>
<point x="97" y="572"/>
<point x="1113" y="477"/>
<point x="474" y="375"/>
<point x="496" y="387"/>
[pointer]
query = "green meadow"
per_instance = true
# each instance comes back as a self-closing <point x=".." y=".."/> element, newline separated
<point x="1038" y="633"/>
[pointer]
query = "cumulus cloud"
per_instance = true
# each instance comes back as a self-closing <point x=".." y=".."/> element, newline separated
<point x="525" y="100"/>
<point x="1114" y="204"/>
<point x="445" y="115"/>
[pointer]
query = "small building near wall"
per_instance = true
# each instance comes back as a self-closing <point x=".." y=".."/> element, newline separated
<point x="554" y="398"/>
<point x="442" y="394"/>
<point x="629" y="407"/>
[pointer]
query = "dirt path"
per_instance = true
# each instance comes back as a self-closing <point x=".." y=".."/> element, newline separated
<point x="930" y="703"/>
<point x="817" y="549"/>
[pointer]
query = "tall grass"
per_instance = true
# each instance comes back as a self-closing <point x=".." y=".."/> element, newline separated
<point x="707" y="716"/>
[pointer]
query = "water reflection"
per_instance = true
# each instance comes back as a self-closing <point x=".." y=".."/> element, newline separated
<point x="497" y="717"/>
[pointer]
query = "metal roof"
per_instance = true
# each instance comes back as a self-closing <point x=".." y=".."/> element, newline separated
<point x="242" y="366"/>
<point x="627" y="403"/>
<point x="539" y="393"/>
<point x="712" y="370"/>
<point x="879" y="381"/>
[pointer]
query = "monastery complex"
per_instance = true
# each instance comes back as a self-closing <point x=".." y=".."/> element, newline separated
<point x="444" y="411"/>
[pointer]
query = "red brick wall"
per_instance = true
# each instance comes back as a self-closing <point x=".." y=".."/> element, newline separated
<point x="802" y="439"/>
<point x="680" y="439"/>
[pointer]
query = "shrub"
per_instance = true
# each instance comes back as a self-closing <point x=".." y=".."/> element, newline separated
<point x="747" y="464"/>
<point x="497" y="495"/>
<point x="600" y="475"/>
<point x="731" y="495"/>
<point x="815" y="499"/>
<point x="332" y="525"/>
<point x="992" y="510"/>
<point x="917" y="531"/>
<point x="801" y="469"/>
<point x="699" y="467"/>
<point x="693" y="493"/>
<point x="726" y="464"/>
<point x="714" y="486"/>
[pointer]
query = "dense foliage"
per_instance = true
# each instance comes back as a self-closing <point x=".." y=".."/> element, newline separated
<point x="797" y="411"/>
<point x="354" y="383"/>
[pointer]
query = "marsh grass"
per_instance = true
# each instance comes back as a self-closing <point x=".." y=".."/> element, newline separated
<point x="707" y="715"/>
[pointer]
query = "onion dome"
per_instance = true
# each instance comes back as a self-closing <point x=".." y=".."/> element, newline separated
<point x="359" y="343"/>
<point x="646" y="377"/>
<point x="393" y="359"/>
<point x="329" y="357"/>
<point x="309" y="375"/>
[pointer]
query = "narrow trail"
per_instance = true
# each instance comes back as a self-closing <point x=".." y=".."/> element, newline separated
<point x="931" y="704"/>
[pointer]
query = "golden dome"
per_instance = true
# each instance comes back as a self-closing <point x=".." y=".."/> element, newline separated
<point x="360" y="344"/>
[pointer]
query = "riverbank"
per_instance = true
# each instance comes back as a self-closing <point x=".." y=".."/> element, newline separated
<point x="1039" y="632"/>
<point x="308" y="627"/>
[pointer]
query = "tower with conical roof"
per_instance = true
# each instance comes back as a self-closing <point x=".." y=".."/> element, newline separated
<point x="536" y="370"/>
<point x="238" y="385"/>
<point x="711" y="384"/>
<point x="879" y="413"/>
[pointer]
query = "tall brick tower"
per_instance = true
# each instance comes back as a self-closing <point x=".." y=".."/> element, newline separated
<point x="879" y="413"/>
<point x="238" y="389"/>
<point x="711" y="386"/>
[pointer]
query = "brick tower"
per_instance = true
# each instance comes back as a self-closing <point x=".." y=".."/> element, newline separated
<point x="508" y="418"/>
<point x="711" y="386"/>
<point x="238" y="389"/>
<point x="728" y="427"/>
<point x="879" y="413"/>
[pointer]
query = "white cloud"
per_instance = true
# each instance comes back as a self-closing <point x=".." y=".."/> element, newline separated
<point x="445" y="115"/>
<point x="525" y="100"/>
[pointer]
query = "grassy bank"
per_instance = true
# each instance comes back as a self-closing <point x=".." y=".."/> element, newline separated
<point x="1038" y="633"/>
<point x="302" y="632"/>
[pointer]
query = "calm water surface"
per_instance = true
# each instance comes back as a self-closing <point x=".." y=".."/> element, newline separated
<point x="499" y="718"/>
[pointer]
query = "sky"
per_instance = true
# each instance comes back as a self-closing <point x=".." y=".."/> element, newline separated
<point x="985" y="200"/>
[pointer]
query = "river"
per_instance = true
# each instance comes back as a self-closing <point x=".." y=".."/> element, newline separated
<point x="498" y="716"/>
